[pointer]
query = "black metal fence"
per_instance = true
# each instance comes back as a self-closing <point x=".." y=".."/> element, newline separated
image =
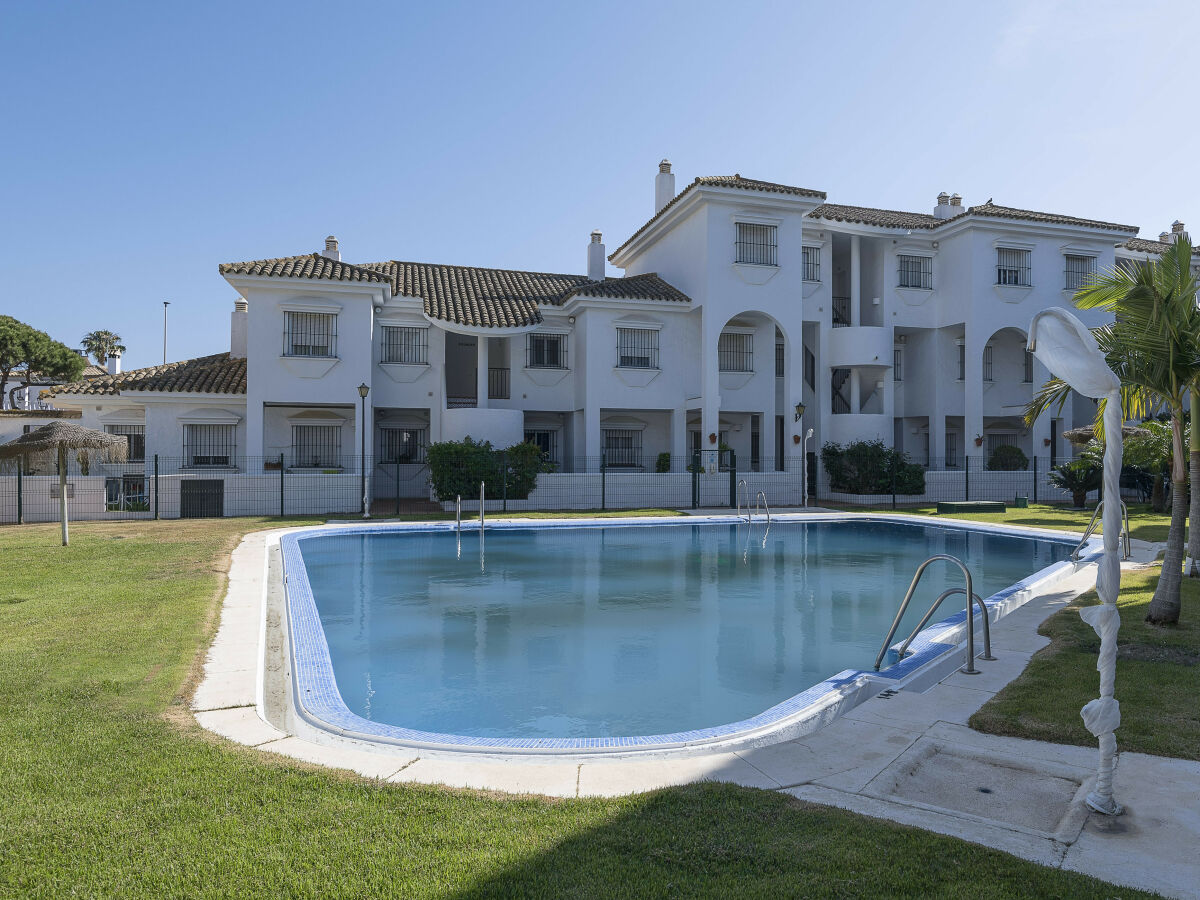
<point x="178" y="487"/>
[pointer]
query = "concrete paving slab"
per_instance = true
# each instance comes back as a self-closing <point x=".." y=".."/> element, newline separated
<point x="369" y="765"/>
<point x="552" y="780"/>
<point x="241" y="725"/>
<point x="612" y="779"/>
<point x="993" y="674"/>
<point x="845" y="745"/>
<point x="223" y="690"/>
<point x="910" y="710"/>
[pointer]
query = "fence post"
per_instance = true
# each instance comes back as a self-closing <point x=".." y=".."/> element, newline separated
<point x="156" y="485"/>
<point x="893" y="481"/>
<point x="281" y="485"/>
<point x="1035" y="478"/>
<point x="966" y="477"/>
<point x="397" y="485"/>
<point x="20" y="495"/>
<point x="504" y="480"/>
<point x="603" y="486"/>
<point x="695" y="467"/>
<point x="732" y="478"/>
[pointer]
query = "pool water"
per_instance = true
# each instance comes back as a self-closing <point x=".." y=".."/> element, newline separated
<point x="570" y="632"/>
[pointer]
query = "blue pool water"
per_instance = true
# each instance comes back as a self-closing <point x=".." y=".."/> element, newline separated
<point x="570" y="632"/>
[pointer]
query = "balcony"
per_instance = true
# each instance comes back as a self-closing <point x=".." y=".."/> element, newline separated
<point x="860" y="345"/>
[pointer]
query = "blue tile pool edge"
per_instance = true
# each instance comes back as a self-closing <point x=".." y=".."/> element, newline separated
<point x="319" y="702"/>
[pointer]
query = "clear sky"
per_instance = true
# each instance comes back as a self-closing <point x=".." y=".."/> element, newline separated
<point x="143" y="144"/>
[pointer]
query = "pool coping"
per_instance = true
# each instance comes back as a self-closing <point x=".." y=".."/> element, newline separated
<point x="315" y="698"/>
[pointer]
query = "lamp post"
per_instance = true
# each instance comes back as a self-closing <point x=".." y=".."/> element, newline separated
<point x="1066" y="347"/>
<point x="804" y="468"/>
<point x="363" y="390"/>
<point x="798" y="415"/>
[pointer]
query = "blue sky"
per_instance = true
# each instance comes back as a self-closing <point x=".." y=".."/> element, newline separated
<point x="146" y="143"/>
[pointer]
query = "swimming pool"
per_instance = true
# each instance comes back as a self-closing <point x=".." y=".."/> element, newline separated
<point x="576" y="636"/>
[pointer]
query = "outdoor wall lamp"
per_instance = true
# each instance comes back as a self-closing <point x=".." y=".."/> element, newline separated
<point x="800" y="407"/>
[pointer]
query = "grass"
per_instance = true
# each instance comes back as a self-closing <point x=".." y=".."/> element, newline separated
<point x="1158" y="678"/>
<point x="1144" y="524"/>
<point x="109" y="788"/>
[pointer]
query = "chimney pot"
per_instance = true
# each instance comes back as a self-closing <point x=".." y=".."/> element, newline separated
<point x="595" y="259"/>
<point x="943" y="198"/>
<point x="239" y="329"/>
<point x="1164" y="236"/>
<point x="1176" y="227"/>
<point x="114" y="364"/>
<point x="945" y="204"/>
<point x="956" y="199"/>
<point x="664" y="186"/>
<point x="331" y="249"/>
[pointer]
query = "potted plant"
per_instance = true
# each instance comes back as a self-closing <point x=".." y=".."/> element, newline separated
<point x="979" y="440"/>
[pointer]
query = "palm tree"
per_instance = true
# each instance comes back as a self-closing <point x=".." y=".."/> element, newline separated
<point x="102" y="344"/>
<point x="1153" y="346"/>
<point x="1078" y="476"/>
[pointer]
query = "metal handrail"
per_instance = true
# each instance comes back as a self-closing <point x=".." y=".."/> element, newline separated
<point x="1091" y="529"/>
<point x="969" y="668"/>
<point x="738" y="498"/>
<point x="458" y="512"/>
<point x="987" y="630"/>
<point x="481" y="505"/>
<point x="766" y="508"/>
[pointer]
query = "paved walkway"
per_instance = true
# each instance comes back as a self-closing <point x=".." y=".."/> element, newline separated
<point x="903" y="756"/>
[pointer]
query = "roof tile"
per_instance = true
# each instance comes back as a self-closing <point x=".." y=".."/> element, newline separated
<point x="216" y="374"/>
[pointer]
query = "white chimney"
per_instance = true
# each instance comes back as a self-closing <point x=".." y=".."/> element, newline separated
<point x="238" y="328"/>
<point x="331" y="249"/>
<point x="114" y="363"/>
<point x="1178" y="231"/>
<point x="596" y="257"/>
<point x="943" y="209"/>
<point x="664" y="186"/>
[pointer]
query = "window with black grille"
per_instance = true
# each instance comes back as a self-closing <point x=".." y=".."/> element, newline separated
<point x="402" y="445"/>
<point x="756" y="244"/>
<point x="637" y="348"/>
<point x="735" y="352"/>
<point x="546" y="351"/>
<point x="1028" y="379"/>
<point x="1080" y="271"/>
<point x="546" y="440"/>
<point x="135" y="440"/>
<point x="208" y="445"/>
<point x="810" y="369"/>
<point x="1012" y="266"/>
<point x="987" y="363"/>
<point x="916" y="272"/>
<point x="405" y="344"/>
<point x="779" y="360"/>
<point x="622" y="447"/>
<point x="812" y="263"/>
<point x="310" y="334"/>
<point x="897" y="364"/>
<point x="317" y="446"/>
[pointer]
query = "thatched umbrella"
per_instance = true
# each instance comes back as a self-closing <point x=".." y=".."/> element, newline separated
<point x="62" y="436"/>
<point x="1087" y="433"/>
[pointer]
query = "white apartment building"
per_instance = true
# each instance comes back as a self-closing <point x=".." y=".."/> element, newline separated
<point x="748" y="313"/>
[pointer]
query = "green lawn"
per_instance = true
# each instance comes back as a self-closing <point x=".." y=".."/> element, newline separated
<point x="108" y="788"/>
<point x="1144" y="524"/>
<point x="1158" y="678"/>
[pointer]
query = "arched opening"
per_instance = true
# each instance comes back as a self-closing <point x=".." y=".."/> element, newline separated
<point x="1007" y="381"/>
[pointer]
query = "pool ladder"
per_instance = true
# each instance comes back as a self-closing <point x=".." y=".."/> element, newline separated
<point x="1091" y="529"/>
<point x="743" y="489"/>
<point x="969" y="591"/>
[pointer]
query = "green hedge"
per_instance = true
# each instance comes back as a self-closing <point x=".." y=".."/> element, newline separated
<point x="866" y="467"/>
<point x="457" y="467"/>
<point x="1007" y="458"/>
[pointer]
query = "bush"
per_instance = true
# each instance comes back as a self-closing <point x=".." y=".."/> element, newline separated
<point x="866" y="467"/>
<point x="457" y="467"/>
<point x="1007" y="458"/>
<point x="663" y="463"/>
<point x="1077" y="476"/>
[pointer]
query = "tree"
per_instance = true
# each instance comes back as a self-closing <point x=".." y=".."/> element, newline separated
<point x="35" y="354"/>
<point x="102" y="344"/>
<point x="12" y="351"/>
<point x="1077" y="476"/>
<point x="1153" y="346"/>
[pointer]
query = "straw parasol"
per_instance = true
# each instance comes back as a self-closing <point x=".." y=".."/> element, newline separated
<point x="1087" y="433"/>
<point x="62" y="436"/>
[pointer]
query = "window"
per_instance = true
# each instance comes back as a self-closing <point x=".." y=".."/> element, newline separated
<point x="208" y="445"/>
<point x="135" y="440"/>
<point x="916" y="272"/>
<point x="637" y="348"/>
<point x="735" y="352"/>
<point x="310" y="334"/>
<point x="779" y="360"/>
<point x="987" y="363"/>
<point x="812" y="263"/>
<point x="622" y="447"/>
<point x="1028" y="379"/>
<point x="1080" y="270"/>
<point x="951" y="450"/>
<point x="897" y="364"/>
<point x="756" y="244"/>
<point x="317" y="446"/>
<point x="546" y="440"/>
<point x="402" y="445"/>
<point x="810" y="369"/>
<point x="546" y="351"/>
<point x="962" y="361"/>
<point x="1012" y="266"/>
<point x="409" y="345"/>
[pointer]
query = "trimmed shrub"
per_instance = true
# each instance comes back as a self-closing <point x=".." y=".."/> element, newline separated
<point x="457" y="467"/>
<point x="663" y="463"/>
<point x="1007" y="458"/>
<point x="866" y="467"/>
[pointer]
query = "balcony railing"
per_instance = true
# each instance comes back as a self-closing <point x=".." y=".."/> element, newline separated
<point x="498" y="384"/>
<point x="841" y="312"/>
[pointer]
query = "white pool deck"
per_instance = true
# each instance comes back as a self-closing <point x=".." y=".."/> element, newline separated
<point x="1024" y="797"/>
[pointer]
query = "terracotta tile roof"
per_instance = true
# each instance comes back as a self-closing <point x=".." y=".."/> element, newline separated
<point x="311" y="265"/>
<point x="991" y="210"/>
<point x="466" y="295"/>
<point x="1141" y="245"/>
<point x="40" y="413"/>
<point x="730" y="181"/>
<point x="868" y="215"/>
<point x="216" y="374"/>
